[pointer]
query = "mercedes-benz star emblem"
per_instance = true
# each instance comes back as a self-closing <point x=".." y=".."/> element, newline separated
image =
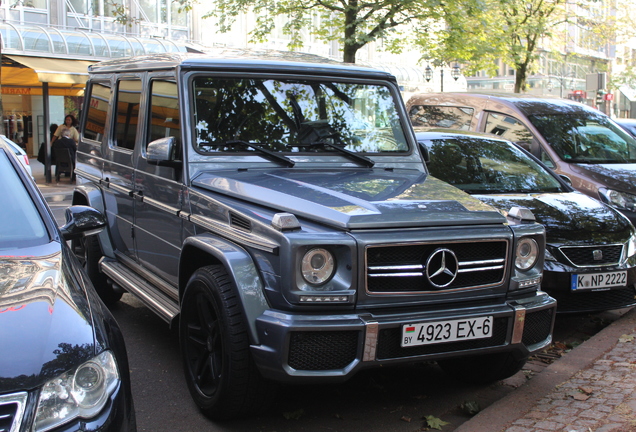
<point x="442" y="267"/>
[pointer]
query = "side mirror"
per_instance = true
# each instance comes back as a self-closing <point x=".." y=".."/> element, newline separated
<point x="425" y="154"/>
<point x="161" y="152"/>
<point x="82" y="221"/>
<point x="566" y="179"/>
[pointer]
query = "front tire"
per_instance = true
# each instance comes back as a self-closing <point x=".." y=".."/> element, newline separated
<point x="89" y="252"/>
<point x="221" y="375"/>
<point x="483" y="369"/>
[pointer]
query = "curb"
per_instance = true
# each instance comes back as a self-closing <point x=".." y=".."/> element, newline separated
<point x="503" y="412"/>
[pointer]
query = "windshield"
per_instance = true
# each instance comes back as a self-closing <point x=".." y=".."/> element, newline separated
<point x="586" y="137"/>
<point x="20" y="222"/>
<point x="482" y="166"/>
<point x="295" y="116"/>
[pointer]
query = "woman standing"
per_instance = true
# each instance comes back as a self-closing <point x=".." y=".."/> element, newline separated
<point x="69" y="124"/>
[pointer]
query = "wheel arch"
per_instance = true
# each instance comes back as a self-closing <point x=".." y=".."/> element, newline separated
<point x="203" y="250"/>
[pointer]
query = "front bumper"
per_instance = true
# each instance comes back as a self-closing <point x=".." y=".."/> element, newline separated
<point x="331" y="348"/>
<point x="557" y="279"/>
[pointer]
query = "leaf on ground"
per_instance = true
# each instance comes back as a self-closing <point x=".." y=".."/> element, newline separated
<point x="294" y="415"/>
<point x="586" y="390"/>
<point x="580" y="396"/>
<point x="470" y="407"/>
<point x="626" y="338"/>
<point x="406" y="419"/>
<point x="434" y="422"/>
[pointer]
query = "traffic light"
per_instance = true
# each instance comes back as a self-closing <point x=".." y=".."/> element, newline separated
<point x="600" y="97"/>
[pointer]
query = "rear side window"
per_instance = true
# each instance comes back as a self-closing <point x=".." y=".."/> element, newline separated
<point x="127" y="115"/>
<point x="507" y="127"/>
<point x="99" y="101"/>
<point x="441" y="116"/>
<point x="164" y="111"/>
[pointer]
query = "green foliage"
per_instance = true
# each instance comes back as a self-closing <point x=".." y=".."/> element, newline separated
<point x="350" y="22"/>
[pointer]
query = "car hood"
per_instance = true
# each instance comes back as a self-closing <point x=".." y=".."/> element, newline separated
<point x="569" y="218"/>
<point x="45" y="323"/>
<point x="621" y="177"/>
<point x="356" y="198"/>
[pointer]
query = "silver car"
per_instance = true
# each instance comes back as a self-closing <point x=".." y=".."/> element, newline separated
<point x="19" y="153"/>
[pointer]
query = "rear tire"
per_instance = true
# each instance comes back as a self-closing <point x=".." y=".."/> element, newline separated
<point x="221" y="375"/>
<point x="89" y="252"/>
<point x="483" y="369"/>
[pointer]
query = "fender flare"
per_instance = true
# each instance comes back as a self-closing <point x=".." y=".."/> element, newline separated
<point x="243" y="272"/>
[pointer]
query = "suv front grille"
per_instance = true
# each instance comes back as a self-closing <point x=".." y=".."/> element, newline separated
<point x="589" y="256"/>
<point x="11" y="411"/>
<point x="392" y="269"/>
<point x="322" y="350"/>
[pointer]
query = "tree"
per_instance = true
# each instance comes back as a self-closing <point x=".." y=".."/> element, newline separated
<point x="509" y="30"/>
<point x="352" y="23"/>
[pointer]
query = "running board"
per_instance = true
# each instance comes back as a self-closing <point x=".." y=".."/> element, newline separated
<point x="161" y="304"/>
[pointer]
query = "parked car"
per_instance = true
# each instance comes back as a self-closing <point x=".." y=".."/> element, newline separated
<point x="590" y="247"/>
<point x="628" y="124"/>
<point x="20" y="154"/>
<point x="276" y="208"/>
<point x="590" y="151"/>
<point x="63" y="365"/>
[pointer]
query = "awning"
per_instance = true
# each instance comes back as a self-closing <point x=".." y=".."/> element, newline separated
<point x="629" y="93"/>
<point x="37" y="70"/>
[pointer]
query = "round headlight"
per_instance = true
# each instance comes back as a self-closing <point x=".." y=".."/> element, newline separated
<point x="317" y="266"/>
<point x="527" y="253"/>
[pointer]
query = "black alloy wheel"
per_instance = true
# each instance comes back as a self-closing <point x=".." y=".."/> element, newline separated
<point x="219" y="370"/>
<point x="89" y="252"/>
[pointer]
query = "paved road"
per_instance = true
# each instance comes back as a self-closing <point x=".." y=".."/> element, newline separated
<point x="387" y="400"/>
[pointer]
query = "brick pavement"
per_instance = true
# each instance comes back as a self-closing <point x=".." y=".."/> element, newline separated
<point x="590" y="389"/>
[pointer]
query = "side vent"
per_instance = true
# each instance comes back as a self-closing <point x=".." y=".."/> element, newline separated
<point x="240" y="222"/>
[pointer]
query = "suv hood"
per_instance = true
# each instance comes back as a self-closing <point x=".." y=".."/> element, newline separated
<point x="45" y="323"/>
<point x="621" y="177"/>
<point x="354" y="198"/>
<point x="569" y="218"/>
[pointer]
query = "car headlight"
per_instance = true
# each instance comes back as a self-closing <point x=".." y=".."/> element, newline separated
<point x="631" y="246"/>
<point x="80" y="392"/>
<point x="620" y="200"/>
<point x="317" y="266"/>
<point x="527" y="253"/>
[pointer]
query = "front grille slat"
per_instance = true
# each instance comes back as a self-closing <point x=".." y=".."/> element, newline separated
<point x="12" y="408"/>
<point x="590" y="256"/>
<point x="402" y="268"/>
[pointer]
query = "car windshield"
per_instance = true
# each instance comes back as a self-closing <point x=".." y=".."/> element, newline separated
<point x="586" y="137"/>
<point x="295" y="115"/>
<point x="21" y="224"/>
<point x="483" y="166"/>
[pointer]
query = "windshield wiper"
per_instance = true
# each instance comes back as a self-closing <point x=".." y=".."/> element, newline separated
<point x="273" y="156"/>
<point x="352" y="155"/>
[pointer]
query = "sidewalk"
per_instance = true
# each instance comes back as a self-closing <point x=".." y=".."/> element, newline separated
<point x="590" y="389"/>
<point x="53" y="192"/>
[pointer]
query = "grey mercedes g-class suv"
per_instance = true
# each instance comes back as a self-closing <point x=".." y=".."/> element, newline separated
<point x="276" y="207"/>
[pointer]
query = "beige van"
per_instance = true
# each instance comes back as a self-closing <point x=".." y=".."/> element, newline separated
<point x="578" y="142"/>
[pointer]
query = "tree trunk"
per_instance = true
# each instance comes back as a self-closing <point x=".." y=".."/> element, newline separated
<point x="521" y="76"/>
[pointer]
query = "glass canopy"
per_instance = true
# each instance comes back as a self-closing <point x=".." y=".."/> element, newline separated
<point x="76" y="44"/>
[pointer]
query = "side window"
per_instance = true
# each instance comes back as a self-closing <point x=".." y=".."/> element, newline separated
<point x="547" y="160"/>
<point x="441" y="116"/>
<point x="128" y="100"/>
<point x="507" y="127"/>
<point x="98" y="103"/>
<point x="164" y="111"/>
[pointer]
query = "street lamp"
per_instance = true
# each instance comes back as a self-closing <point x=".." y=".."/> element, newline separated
<point x="428" y="75"/>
